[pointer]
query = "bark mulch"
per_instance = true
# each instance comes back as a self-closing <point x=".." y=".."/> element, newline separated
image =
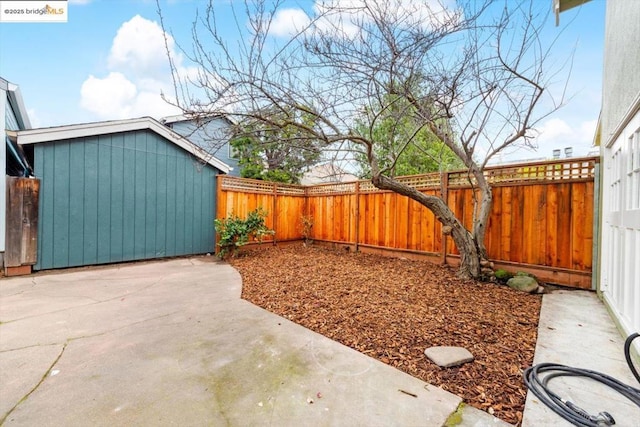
<point x="393" y="309"/>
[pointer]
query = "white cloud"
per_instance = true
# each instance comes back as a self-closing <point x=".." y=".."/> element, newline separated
<point x="139" y="47"/>
<point x="110" y="97"/>
<point x="138" y="74"/>
<point x="288" y="22"/>
<point x="115" y="97"/>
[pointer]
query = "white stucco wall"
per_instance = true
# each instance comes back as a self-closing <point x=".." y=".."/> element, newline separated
<point x="621" y="74"/>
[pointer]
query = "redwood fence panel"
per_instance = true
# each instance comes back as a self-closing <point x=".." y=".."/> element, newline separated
<point x="542" y="218"/>
<point x="285" y="204"/>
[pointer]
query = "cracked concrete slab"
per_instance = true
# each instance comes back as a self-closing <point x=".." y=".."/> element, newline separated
<point x="21" y="370"/>
<point x="172" y="343"/>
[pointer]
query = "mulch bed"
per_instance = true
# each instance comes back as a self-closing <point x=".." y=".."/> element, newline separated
<point x="393" y="309"/>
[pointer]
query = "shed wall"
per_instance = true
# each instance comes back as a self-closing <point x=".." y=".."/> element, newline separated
<point x="121" y="197"/>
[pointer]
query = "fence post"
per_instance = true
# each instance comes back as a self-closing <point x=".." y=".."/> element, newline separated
<point x="218" y="212"/>
<point x="444" y="190"/>
<point x="275" y="212"/>
<point x="357" y="219"/>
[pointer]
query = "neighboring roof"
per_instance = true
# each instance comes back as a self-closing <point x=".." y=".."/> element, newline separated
<point x="15" y="98"/>
<point x="187" y="118"/>
<point x="36" y="136"/>
<point x="327" y="173"/>
<point x="562" y="5"/>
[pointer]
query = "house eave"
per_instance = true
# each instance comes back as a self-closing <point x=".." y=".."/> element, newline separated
<point x="15" y="99"/>
<point x="560" y="6"/>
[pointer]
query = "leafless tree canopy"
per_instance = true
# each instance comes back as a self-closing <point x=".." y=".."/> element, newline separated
<point x="479" y="67"/>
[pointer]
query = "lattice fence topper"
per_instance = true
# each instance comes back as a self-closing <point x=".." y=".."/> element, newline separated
<point x="578" y="169"/>
<point x="232" y="183"/>
<point x="339" y="188"/>
<point x="291" y="190"/>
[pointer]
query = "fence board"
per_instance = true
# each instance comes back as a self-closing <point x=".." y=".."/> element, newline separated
<point x="503" y="251"/>
<point x="551" y="229"/>
<point x="542" y="214"/>
<point x="563" y="230"/>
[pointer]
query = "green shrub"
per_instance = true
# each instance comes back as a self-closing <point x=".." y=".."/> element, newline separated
<point x="235" y="232"/>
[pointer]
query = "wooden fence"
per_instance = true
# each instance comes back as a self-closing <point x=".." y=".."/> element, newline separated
<point x="22" y="225"/>
<point x="542" y="217"/>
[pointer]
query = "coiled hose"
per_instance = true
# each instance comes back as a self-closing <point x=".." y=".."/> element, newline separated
<point x="568" y="410"/>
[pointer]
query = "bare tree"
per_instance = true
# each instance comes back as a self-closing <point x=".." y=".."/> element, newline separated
<point x="480" y="68"/>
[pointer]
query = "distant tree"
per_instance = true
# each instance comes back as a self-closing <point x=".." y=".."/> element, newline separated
<point x="275" y="151"/>
<point x="401" y="145"/>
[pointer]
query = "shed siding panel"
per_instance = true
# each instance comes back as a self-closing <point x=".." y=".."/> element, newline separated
<point x="151" y="198"/>
<point x="90" y="203"/>
<point x="180" y="204"/>
<point x="161" y="203"/>
<point x="76" y="205"/>
<point x="140" y="201"/>
<point x="129" y="199"/>
<point x="172" y="191"/>
<point x="61" y="232"/>
<point x="104" y="199"/>
<point x="188" y="201"/>
<point x="117" y="198"/>
<point x="122" y="197"/>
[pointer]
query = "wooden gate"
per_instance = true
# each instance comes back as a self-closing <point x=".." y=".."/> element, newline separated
<point x="22" y="225"/>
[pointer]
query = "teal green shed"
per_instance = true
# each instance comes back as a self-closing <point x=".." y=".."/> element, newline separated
<point x="121" y="191"/>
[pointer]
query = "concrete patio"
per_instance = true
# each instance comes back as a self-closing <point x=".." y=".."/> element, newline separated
<point x="172" y="343"/>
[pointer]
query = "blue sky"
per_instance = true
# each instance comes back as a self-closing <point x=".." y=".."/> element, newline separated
<point x="108" y="62"/>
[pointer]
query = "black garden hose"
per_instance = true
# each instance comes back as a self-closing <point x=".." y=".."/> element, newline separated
<point x="568" y="410"/>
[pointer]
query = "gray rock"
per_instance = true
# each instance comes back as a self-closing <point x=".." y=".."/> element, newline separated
<point x="446" y="357"/>
<point x="523" y="283"/>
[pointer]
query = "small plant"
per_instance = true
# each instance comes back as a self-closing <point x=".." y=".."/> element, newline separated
<point x="235" y="232"/>
<point x="306" y="223"/>
<point x="503" y="275"/>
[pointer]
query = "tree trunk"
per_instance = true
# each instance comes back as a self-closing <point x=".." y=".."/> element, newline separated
<point x="471" y="253"/>
<point x="481" y="217"/>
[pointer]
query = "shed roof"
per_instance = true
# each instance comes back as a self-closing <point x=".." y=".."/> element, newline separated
<point x="57" y="133"/>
